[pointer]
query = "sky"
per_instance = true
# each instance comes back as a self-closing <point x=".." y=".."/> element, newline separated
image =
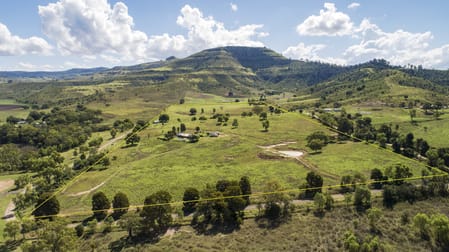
<point x="55" y="35"/>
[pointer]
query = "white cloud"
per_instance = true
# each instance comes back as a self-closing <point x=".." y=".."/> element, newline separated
<point x="330" y="22"/>
<point x="399" y="47"/>
<point x="95" y="28"/>
<point x="234" y="7"/>
<point x="25" y="66"/>
<point x="303" y="52"/>
<point x="353" y="5"/>
<point x="89" y="27"/>
<point x="11" y="45"/>
<point x="203" y="32"/>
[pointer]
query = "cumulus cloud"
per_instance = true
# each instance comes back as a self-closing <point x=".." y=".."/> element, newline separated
<point x="399" y="47"/>
<point x="234" y="7"/>
<point x="353" y="5"/>
<point x="330" y="22"/>
<point x="203" y="32"/>
<point x="87" y="27"/>
<point x="303" y="52"/>
<point x="11" y="45"/>
<point x="95" y="28"/>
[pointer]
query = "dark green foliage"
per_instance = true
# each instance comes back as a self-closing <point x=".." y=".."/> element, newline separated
<point x="132" y="138"/>
<point x="314" y="184"/>
<point x="164" y="118"/>
<point x="182" y="127"/>
<point x="362" y="198"/>
<point x="100" y="205"/>
<point x="120" y="205"/>
<point x="377" y="175"/>
<point x="79" y="229"/>
<point x="46" y="207"/>
<point x="190" y="194"/>
<point x="245" y="187"/>
<point x="156" y="214"/>
<point x="123" y="125"/>
<point x="192" y="111"/>
<point x="273" y="211"/>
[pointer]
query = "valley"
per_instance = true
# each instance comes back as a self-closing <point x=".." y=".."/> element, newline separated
<point x="212" y="123"/>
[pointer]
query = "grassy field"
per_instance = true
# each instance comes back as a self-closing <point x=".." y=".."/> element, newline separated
<point x="174" y="165"/>
<point x="7" y="111"/>
<point x="424" y="126"/>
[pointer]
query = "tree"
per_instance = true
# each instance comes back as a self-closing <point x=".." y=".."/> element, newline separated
<point x="389" y="196"/>
<point x="347" y="184"/>
<point x="263" y="116"/>
<point x="12" y="229"/>
<point x="319" y="200"/>
<point x="245" y="187"/>
<point x="315" y="145"/>
<point x="113" y="132"/>
<point x="120" y="205"/>
<point x="235" y="123"/>
<point x="46" y="206"/>
<point x="319" y="135"/>
<point x="164" y="118"/>
<point x="53" y="236"/>
<point x="374" y="214"/>
<point x="130" y="222"/>
<point x="192" y="111"/>
<point x="182" y="127"/>
<point x="132" y="138"/>
<point x="422" y="222"/>
<point x="362" y="198"/>
<point x="100" y="205"/>
<point x="329" y="205"/>
<point x="190" y="194"/>
<point x="314" y="184"/>
<point x="377" y="175"/>
<point x="266" y="125"/>
<point x="156" y="213"/>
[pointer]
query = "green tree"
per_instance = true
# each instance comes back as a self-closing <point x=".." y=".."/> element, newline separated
<point x="374" y="214"/>
<point x="130" y="222"/>
<point x="245" y="187"/>
<point x="235" y="123"/>
<point x="132" y="139"/>
<point x="54" y="236"/>
<point x="120" y="205"/>
<point x="362" y="198"/>
<point x="164" y="118"/>
<point x="329" y="205"/>
<point x="320" y="135"/>
<point x="182" y="127"/>
<point x="113" y="132"/>
<point x="377" y="175"/>
<point x="422" y="223"/>
<point x="315" y="145"/>
<point x="319" y="200"/>
<point x="314" y="184"/>
<point x="12" y="229"/>
<point x="192" y="111"/>
<point x="46" y="207"/>
<point x="266" y="125"/>
<point x="156" y="214"/>
<point x="190" y="194"/>
<point x="100" y="205"/>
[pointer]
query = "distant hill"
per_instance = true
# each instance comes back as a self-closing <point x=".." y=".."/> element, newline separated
<point x="242" y="70"/>
<point x="72" y="73"/>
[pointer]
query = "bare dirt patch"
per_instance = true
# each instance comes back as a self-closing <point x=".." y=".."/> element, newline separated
<point x="6" y="184"/>
<point x="6" y="107"/>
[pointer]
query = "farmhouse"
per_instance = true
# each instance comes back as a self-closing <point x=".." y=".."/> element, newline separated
<point x="184" y="135"/>
<point x="213" y="134"/>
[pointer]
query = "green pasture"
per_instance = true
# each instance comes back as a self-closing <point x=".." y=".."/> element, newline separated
<point x="173" y="165"/>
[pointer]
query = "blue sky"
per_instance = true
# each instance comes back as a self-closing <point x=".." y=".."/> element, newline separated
<point x="63" y="34"/>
